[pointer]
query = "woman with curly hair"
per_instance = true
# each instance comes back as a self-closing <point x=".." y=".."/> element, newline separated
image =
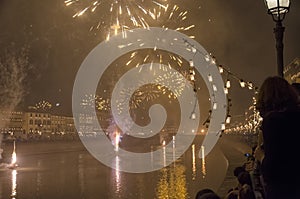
<point x="278" y="104"/>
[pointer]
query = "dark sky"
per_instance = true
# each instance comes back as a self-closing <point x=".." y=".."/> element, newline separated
<point x="238" y="33"/>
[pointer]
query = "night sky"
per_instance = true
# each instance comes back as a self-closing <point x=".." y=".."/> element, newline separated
<point x="238" y="33"/>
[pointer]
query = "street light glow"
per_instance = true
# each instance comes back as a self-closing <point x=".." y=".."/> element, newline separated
<point x="278" y="7"/>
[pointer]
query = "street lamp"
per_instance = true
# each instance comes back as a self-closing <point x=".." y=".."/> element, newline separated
<point x="278" y="9"/>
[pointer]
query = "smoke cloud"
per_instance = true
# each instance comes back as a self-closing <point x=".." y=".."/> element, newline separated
<point x="14" y="68"/>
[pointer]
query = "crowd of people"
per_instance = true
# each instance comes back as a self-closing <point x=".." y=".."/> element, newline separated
<point x="244" y="188"/>
<point x="275" y="157"/>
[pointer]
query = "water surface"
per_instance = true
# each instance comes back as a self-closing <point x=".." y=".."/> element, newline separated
<point x="66" y="170"/>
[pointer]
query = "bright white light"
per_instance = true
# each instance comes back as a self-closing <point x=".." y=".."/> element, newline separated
<point x="228" y="84"/>
<point x="14" y="155"/>
<point x="117" y="141"/>
<point x="283" y="6"/>
<point x="210" y="79"/>
<point x="223" y="126"/>
<point x="194" y="50"/>
<point x="193" y="116"/>
<point x="228" y="119"/>
<point x="192" y="77"/>
<point x="14" y="184"/>
<point x="226" y="90"/>
<point x="214" y="105"/>
<point x="221" y="70"/>
<point x="215" y="88"/>
<point x="242" y="83"/>
<point x="207" y="58"/>
<point x="191" y="63"/>
<point x="13" y="158"/>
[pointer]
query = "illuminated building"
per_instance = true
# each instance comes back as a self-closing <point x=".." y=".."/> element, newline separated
<point x="11" y="123"/>
<point x="292" y="71"/>
<point x="35" y="125"/>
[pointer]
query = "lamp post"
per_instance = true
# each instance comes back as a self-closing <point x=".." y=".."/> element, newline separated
<point x="278" y="9"/>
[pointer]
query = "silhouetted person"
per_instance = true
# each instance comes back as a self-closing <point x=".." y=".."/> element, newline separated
<point x="297" y="87"/>
<point x="246" y="192"/>
<point x="236" y="172"/>
<point x="234" y="194"/>
<point x="244" y="178"/>
<point x="210" y="196"/>
<point x="278" y="105"/>
<point x="207" y="194"/>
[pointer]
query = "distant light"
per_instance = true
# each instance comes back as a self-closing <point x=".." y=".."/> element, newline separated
<point x="191" y="63"/>
<point x="194" y="50"/>
<point x="250" y="85"/>
<point x="228" y="83"/>
<point x="242" y="83"/>
<point x="193" y="116"/>
<point x="221" y="70"/>
<point x="210" y="79"/>
<point x="226" y="90"/>
<point x="207" y="58"/>
<point x="228" y="119"/>
<point x="214" y="105"/>
<point x="215" y="88"/>
<point x="192" y="77"/>
<point x="57" y="104"/>
<point x="223" y="126"/>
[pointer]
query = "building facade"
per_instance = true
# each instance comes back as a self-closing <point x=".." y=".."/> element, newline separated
<point x="292" y="71"/>
<point x="11" y="123"/>
<point x="35" y="125"/>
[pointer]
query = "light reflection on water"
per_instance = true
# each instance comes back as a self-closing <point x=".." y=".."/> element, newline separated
<point x="117" y="176"/>
<point x="172" y="183"/>
<point x="193" y="162"/>
<point x="81" y="173"/>
<point x="78" y="175"/>
<point x="203" y="161"/>
<point x="14" y="183"/>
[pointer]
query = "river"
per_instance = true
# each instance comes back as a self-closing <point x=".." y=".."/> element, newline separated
<point x="65" y="170"/>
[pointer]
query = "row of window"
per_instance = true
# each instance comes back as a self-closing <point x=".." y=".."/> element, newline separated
<point x="39" y="115"/>
<point x="52" y="130"/>
<point x="39" y="122"/>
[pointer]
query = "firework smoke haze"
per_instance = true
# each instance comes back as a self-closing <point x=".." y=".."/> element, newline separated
<point x="14" y="68"/>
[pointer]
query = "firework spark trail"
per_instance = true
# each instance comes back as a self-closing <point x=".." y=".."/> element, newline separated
<point x="127" y="14"/>
<point x="151" y="55"/>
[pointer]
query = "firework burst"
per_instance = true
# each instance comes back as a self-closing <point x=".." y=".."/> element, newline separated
<point x="170" y="84"/>
<point x="42" y="105"/>
<point x="129" y="14"/>
<point x="95" y="101"/>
